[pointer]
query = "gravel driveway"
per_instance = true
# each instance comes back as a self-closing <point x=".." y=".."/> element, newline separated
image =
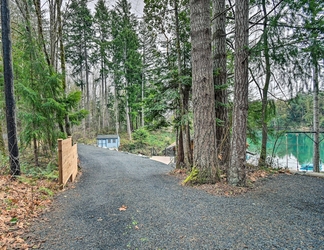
<point x="284" y="212"/>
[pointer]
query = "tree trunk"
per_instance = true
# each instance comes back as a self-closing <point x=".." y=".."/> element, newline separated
<point x="129" y="132"/>
<point x="128" y="120"/>
<point x="205" y="150"/>
<point x="184" y="123"/>
<point x="62" y="61"/>
<point x="180" y="155"/>
<point x="236" y="171"/>
<point x="143" y="86"/>
<point x="9" y="90"/>
<point x="38" y="10"/>
<point x="103" y="105"/>
<point x="87" y="84"/>
<point x="316" y="155"/>
<point x="263" y="154"/>
<point x="53" y="31"/>
<point x="186" y="128"/>
<point x="116" y="110"/>
<point x="220" y="79"/>
<point x="2" y="143"/>
<point x="107" y="90"/>
<point x="35" y="152"/>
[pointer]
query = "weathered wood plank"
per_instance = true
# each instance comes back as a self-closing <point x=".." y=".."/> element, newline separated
<point x="68" y="161"/>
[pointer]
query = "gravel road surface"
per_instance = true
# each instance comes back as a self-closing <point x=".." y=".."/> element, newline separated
<point x="283" y="212"/>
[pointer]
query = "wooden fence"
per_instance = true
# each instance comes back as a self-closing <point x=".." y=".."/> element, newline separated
<point x="68" y="161"/>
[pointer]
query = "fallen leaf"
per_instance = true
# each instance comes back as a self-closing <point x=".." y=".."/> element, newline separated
<point x="123" y="208"/>
<point x="24" y="200"/>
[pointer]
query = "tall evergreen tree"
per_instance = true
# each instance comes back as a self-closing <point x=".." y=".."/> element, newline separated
<point x="38" y="89"/>
<point x="220" y="79"/>
<point x="236" y="172"/>
<point x="181" y="23"/>
<point x="205" y="150"/>
<point x="151" y="63"/>
<point x="100" y="56"/>
<point x="171" y="18"/>
<point x="127" y="61"/>
<point x="78" y="34"/>
<point x="43" y="103"/>
<point x="9" y="89"/>
<point x="264" y="59"/>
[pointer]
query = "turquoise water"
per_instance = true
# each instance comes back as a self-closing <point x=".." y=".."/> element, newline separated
<point x="291" y="148"/>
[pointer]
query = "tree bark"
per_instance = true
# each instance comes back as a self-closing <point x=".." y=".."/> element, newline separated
<point x="35" y="152"/>
<point x="116" y="109"/>
<point x="87" y="84"/>
<point x="220" y="79"/>
<point x="184" y="123"/>
<point x="205" y="150"/>
<point x="236" y="172"/>
<point x="107" y="90"/>
<point x="186" y="130"/>
<point x="128" y="120"/>
<point x="316" y="154"/>
<point x="9" y="90"/>
<point x="2" y="143"/>
<point x="62" y="61"/>
<point x="103" y="104"/>
<point x="180" y="155"/>
<point x="263" y="154"/>
<point x="143" y="86"/>
<point x="54" y="22"/>
<point x="38" y="10"/>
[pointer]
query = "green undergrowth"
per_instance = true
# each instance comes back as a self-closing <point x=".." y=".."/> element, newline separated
<point x="47" y="168"/>
<point x="50" y="171"/>
<point x="147" y="142"/>
<point x="192" y="178"/>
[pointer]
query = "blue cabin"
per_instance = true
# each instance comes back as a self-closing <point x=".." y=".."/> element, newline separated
<point x="108" y="141"/>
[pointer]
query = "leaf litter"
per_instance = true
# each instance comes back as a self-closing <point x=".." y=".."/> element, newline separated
<point x="222" y="188"/>
<point x="22" y="200"/>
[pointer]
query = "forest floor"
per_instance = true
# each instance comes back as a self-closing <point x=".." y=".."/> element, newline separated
<point x="223" y="189"/>
<point x="21" y="201"/>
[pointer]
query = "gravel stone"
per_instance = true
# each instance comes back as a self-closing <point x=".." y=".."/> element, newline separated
<point x="282" y="212"/>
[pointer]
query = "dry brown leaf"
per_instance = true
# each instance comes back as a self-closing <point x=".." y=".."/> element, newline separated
<point x="123" y="208"/>
<point x="19" y="203"/>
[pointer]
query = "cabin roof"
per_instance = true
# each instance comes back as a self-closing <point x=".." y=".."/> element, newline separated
<point x="107" y="137"/>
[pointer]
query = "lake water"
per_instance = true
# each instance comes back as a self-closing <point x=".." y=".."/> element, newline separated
<point x="292" y="150"/>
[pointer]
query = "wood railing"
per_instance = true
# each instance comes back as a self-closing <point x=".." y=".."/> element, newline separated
<point x="68" y="161"/>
